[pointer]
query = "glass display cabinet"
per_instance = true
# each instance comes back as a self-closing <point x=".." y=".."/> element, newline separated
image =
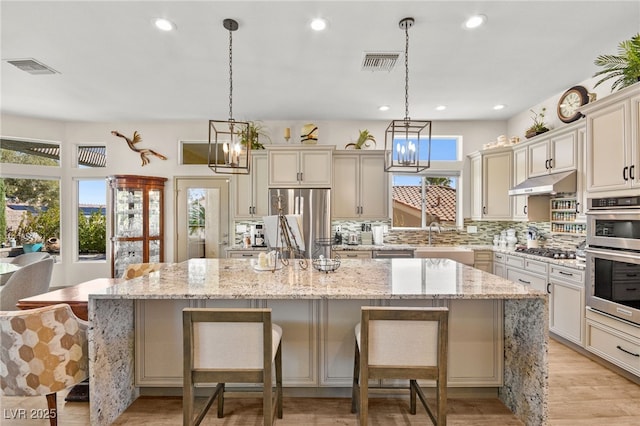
<point x="137" y="225"/>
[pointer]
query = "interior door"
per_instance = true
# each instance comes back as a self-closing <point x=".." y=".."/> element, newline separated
<point x="202" y="217"/>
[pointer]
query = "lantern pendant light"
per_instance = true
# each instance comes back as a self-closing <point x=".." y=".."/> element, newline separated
<point x="407" y="142"/>
<point x="229" y="148"/>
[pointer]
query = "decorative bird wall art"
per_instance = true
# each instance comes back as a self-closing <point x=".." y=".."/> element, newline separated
<point x="144" y="152"/>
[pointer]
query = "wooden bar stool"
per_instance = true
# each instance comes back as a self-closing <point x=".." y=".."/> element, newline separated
<point x="230" y="346"/>
<point x="402" y="343"/>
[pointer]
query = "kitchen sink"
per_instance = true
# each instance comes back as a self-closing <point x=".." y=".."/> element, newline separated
<point x="459" y="254"/>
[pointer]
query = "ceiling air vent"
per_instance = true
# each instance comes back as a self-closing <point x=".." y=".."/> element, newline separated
<point x="379" y="61"/>
<point x="32" y="66"/>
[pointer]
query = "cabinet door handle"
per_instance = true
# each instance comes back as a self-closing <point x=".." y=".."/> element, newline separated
<point x="565" y="273"/>
<point x="546" y="164"/>
<point x="549" y="288"/>
<point x="523" y="281"/>
<point x="627" y="352"/>
<point x="624" y="173"/>
<point x="631" y="169"/>
<point x="550" y="163"/>
<point x="524" y="209"/>
<point x="577" y="209"/>
<point x="484" y="209"/>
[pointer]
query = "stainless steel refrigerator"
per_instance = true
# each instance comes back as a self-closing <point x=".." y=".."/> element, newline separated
<point x="314" y="207"/>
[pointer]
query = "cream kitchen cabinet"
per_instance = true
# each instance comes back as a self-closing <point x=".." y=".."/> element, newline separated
<point x="532" y="273"/>
<point x="567" y="303"/>
<point x="555" y="153"/>
<point x="251" y="194"/>
<point x="483" y="260"/>
<point x="519" y="208"/>
<point x="361" y="186"/>
<point x="301" y="167"/>
<point x="499" y="264"/>
<point x="613" y="142"/>
<point x="475" y="340"/>
<point x="491" y="177"/>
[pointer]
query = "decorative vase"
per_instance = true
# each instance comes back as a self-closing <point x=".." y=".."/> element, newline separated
<point x="31" y="248"/>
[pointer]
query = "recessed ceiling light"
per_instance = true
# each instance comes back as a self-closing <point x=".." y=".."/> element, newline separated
<point x="475" y="21"/>
<point x="318" y="24"/>
<point x="164" y="24"/>
<point x="383" y="108"/>
<point x="499" y="107"/>
<point x="441" y="107"/>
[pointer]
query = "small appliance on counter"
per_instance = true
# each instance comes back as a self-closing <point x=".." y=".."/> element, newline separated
<point x="532" y="237"/>
<point x="257" y="236"/>
<point x="366" y="237"/>
<point x="353" y="239"/>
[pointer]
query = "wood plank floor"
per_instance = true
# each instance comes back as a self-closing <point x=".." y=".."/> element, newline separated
<point x="582" y="392"/>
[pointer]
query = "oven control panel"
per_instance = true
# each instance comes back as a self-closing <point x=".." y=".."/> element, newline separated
<point x="614" y="202"/>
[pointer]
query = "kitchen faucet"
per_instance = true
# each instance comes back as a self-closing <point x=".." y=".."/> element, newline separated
<point x="437" y="228"/>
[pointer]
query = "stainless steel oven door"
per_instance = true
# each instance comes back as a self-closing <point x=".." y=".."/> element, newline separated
<point x="614" y="228"/>
<point x="613" y="282"/>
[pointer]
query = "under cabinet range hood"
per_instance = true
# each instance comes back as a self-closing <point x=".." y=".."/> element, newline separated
<point x="547" y="184"/>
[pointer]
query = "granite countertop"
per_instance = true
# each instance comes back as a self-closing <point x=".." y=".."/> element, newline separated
<point x="355" y="279"/>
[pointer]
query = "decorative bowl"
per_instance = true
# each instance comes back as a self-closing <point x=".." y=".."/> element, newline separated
<point x="326" y="265"/>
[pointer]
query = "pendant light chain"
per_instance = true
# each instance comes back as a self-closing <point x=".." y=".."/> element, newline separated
<point x="230" y="76"/>
<point x="406" y="74"/>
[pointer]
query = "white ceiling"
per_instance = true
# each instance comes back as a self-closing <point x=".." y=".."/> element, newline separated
<point x="115" y="66"/>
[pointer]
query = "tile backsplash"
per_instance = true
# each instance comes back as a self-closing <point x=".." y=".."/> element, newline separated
<point x="451" y="236"/>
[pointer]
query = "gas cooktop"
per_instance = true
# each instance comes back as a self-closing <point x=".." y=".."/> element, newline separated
<point x="548" y="252"/>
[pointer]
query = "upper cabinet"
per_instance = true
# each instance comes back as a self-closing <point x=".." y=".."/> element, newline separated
<point x="251" y="191"/>
<point x="491" y="177"/>
<point x="519" y="202"/>
<point x="553" y="154"/>
<point x="613" y="142"/>
<point x="300" y="167"/>
<point x="361" y="185"/>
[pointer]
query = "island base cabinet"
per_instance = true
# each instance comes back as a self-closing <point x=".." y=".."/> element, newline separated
<point x="318" y="339"/>
<point x="158" y="339"/>
<point x="475" y="341"/>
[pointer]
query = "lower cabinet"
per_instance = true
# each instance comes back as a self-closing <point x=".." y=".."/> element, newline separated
<point x="318" y="340"/>
<point x="499" y="264"/>
<point x="528" y="272"/>
<point x="616" y="341"/>
<point x="567" y="303"/>
<point x="483" y="260"/>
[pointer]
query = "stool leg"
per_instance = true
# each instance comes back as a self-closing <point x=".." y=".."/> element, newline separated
<point x="221" y="401"/>
<point x="279" y="380"/>
<point x="412" y="396"/>
<point x="53" y="409"/>
<point x="356" y="375"/>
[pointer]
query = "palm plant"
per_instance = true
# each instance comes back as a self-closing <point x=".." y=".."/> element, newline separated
<point x="625" y="66"/>
<point x="364" y="138"/>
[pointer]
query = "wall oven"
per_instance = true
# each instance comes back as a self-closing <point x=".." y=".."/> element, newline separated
<point x="613" y="256"/>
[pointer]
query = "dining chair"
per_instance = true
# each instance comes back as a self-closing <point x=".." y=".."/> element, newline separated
<point x="27" y="281"/>
<point x="135" y="270"/>
<point x="27" y="258"/>
<point x="231" y="346"/>
<point x="44" y="351"/>
<point x="401" y="343"/>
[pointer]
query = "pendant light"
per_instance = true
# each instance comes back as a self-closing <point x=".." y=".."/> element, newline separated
<point x="229" y="143"/>
<point x="407" y="142"/>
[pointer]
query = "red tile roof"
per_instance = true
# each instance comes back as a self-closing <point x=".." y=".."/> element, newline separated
<point x="441" y="200"/>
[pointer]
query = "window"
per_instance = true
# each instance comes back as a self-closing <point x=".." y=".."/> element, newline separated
<point x="91" y="156"/>
<point x="434" y="195"/>
<point x="92" y="219"/>
<point x="15" y="151"/>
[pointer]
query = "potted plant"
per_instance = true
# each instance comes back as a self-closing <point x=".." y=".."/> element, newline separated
<point x="31" y="242"/>
<point x="538" y="125"/>
<point x="363" y="138"/>
<point x="253" y="133"/>
<point x="625" y="65"/>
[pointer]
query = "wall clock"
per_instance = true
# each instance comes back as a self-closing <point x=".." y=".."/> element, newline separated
<point x="570" y="102"/>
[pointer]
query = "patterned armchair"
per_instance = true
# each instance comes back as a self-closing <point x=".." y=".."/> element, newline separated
<point x="43" y="351"/>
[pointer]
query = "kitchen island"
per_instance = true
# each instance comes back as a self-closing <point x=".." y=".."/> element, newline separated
<point x="523" y="340"/>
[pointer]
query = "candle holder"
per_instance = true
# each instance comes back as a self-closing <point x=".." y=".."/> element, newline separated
<point x="287" y="134"/>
